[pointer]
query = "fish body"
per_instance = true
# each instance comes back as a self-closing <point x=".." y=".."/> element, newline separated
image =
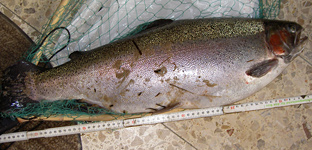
<point x="195" y="63"/>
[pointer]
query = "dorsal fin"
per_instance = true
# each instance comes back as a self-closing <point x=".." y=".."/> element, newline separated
<point x="76" y="54"/>
<point x="145" y="27"/>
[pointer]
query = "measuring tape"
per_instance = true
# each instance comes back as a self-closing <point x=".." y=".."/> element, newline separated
<point x="183" y="115"/>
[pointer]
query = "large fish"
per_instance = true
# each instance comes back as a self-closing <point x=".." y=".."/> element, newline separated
<point x="171" y="64"/>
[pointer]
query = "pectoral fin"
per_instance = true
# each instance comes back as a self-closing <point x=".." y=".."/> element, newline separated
<point x="262" y="68"/>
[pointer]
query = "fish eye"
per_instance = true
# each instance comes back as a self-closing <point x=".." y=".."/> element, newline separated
<point x="291" y="28"/>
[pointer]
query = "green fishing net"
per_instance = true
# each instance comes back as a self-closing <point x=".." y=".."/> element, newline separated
<point x="92" y="23"/>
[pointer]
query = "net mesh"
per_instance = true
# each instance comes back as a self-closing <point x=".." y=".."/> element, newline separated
<point x="93" y="23"/>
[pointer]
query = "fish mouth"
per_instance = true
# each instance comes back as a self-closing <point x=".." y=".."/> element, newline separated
<point x="302" y="40"/>
<point x="296" y="50"/>
<point x="299" y="43"/>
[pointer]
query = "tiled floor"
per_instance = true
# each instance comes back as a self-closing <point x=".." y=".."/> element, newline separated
<point x="29" y="15"/>
<point x="280" y="128"/>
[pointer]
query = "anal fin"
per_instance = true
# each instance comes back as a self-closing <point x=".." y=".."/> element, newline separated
<point x="167" y="108"/>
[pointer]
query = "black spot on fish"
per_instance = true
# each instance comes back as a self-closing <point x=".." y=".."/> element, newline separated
<point x="137" y="47"/>
<point x="94" y="90"/>
<point x="164" y="61"/>
<point x="139" y="94"/>
<point x="154" y="109"/>
<point x="100" y="8"/>
<point x="111" y="105"/>
<point x="181" y="88"/>
<point x="160" y="105"/>
<point x="157" y="94"/>
<point x="162" y="71"/>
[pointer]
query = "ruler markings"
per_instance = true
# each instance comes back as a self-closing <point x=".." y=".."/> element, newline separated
<point x="183" y="115"/>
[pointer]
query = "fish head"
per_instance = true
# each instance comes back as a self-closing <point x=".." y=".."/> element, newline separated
<point x="283" y="39"/>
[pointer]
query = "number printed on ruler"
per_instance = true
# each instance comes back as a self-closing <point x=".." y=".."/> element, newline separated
<point x="268" y="104"/>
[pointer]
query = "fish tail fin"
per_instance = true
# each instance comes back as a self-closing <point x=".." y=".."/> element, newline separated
<point x="13" y="86"/>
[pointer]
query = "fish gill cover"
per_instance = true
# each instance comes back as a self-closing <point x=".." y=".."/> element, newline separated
<point x="92" y="23"/>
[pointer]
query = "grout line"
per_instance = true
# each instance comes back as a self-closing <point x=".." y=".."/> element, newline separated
<point x="179" y="136"/>
<point x="20" y="18"/>
<point x="305" y="60"/>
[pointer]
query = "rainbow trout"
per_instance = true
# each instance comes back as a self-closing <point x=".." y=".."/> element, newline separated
<point x="171" y="64"/>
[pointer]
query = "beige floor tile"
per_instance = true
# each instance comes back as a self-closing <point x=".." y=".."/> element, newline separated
<point x="29" y="30"/>
<point x="147" y="137"/>
<point x="35" y="12"/>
